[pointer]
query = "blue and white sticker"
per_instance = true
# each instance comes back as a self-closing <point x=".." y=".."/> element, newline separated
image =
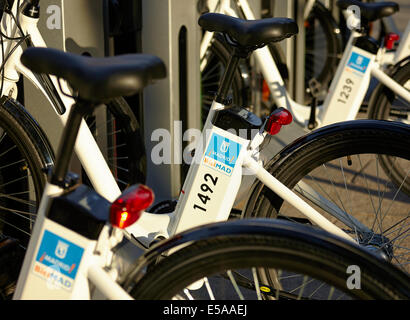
<point x="358" y="62"/>
<point x="222" y="154"/>
<point x="57" y="261"/>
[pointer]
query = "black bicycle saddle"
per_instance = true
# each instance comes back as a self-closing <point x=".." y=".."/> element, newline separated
<point x="371" y="11"/>
<point x="97" y="79"/>
<point x="249" y="33"/>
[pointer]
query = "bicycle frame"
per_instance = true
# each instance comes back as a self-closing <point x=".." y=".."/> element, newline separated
<point x="348" y="86"/>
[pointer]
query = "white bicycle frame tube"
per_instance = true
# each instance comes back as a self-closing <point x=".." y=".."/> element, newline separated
<point x="288" y="195"/>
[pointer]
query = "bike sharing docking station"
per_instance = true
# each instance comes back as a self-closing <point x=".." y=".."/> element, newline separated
<point x="172" y="106"/>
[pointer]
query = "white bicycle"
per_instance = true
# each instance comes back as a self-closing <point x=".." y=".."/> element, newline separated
<point x="75" y="248"/>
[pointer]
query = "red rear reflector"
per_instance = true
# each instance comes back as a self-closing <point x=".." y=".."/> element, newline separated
<point x="128" y="207"/>
<point x="390" y="39"/>
<point x="278" y="118"/>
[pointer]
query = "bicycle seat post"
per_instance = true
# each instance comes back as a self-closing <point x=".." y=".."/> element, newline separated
<point x="227" y="78"/>
<point x="79" y="109"/>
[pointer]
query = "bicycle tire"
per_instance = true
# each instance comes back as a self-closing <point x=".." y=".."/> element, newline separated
<point x="384" y="104"/>
<point x="337" y="162"/>
<point x="217" y="57"/>
<point x="274" y="245"/>
<point x="26" y="156"/>
<point x="123" y="144"/>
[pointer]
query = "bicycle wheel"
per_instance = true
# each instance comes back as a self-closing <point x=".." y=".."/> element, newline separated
<point x="386" y="105"/>
<point x="119" y="137"/>
<point x="24" y="154"/>
<point x="273" y="260"/>
<point x="323" y="46"/>
<point x="217" y="57"/>
<point x="338" y="171"/>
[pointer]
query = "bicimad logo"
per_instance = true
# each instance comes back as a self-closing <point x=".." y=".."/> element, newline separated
<point x="57" y="261"/>
<point x="224" y="146"/>
<point x="222" y="154"/>
<point x="358" y="62"/>
<point x="61" y="249"/>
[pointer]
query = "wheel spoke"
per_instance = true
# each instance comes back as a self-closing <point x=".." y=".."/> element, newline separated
<point x="235" y="285"/>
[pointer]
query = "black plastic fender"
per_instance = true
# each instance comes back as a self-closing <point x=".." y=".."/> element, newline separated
<point x="219" y="229"/>
<point x="264" y="227"/>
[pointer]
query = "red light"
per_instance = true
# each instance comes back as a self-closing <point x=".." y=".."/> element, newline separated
<point x="278" y="118"/>
<point x="128" y="207"/>
<point x="390" y="39"/>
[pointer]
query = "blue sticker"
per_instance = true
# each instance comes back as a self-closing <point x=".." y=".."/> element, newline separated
<point x="222" y="153"/>
<point x="59" y="254"/>
<point x="358" y="62"/>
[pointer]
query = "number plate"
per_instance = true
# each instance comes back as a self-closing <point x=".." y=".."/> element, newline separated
<point x="346" y="95"/>
<point x="215" y="182"/>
